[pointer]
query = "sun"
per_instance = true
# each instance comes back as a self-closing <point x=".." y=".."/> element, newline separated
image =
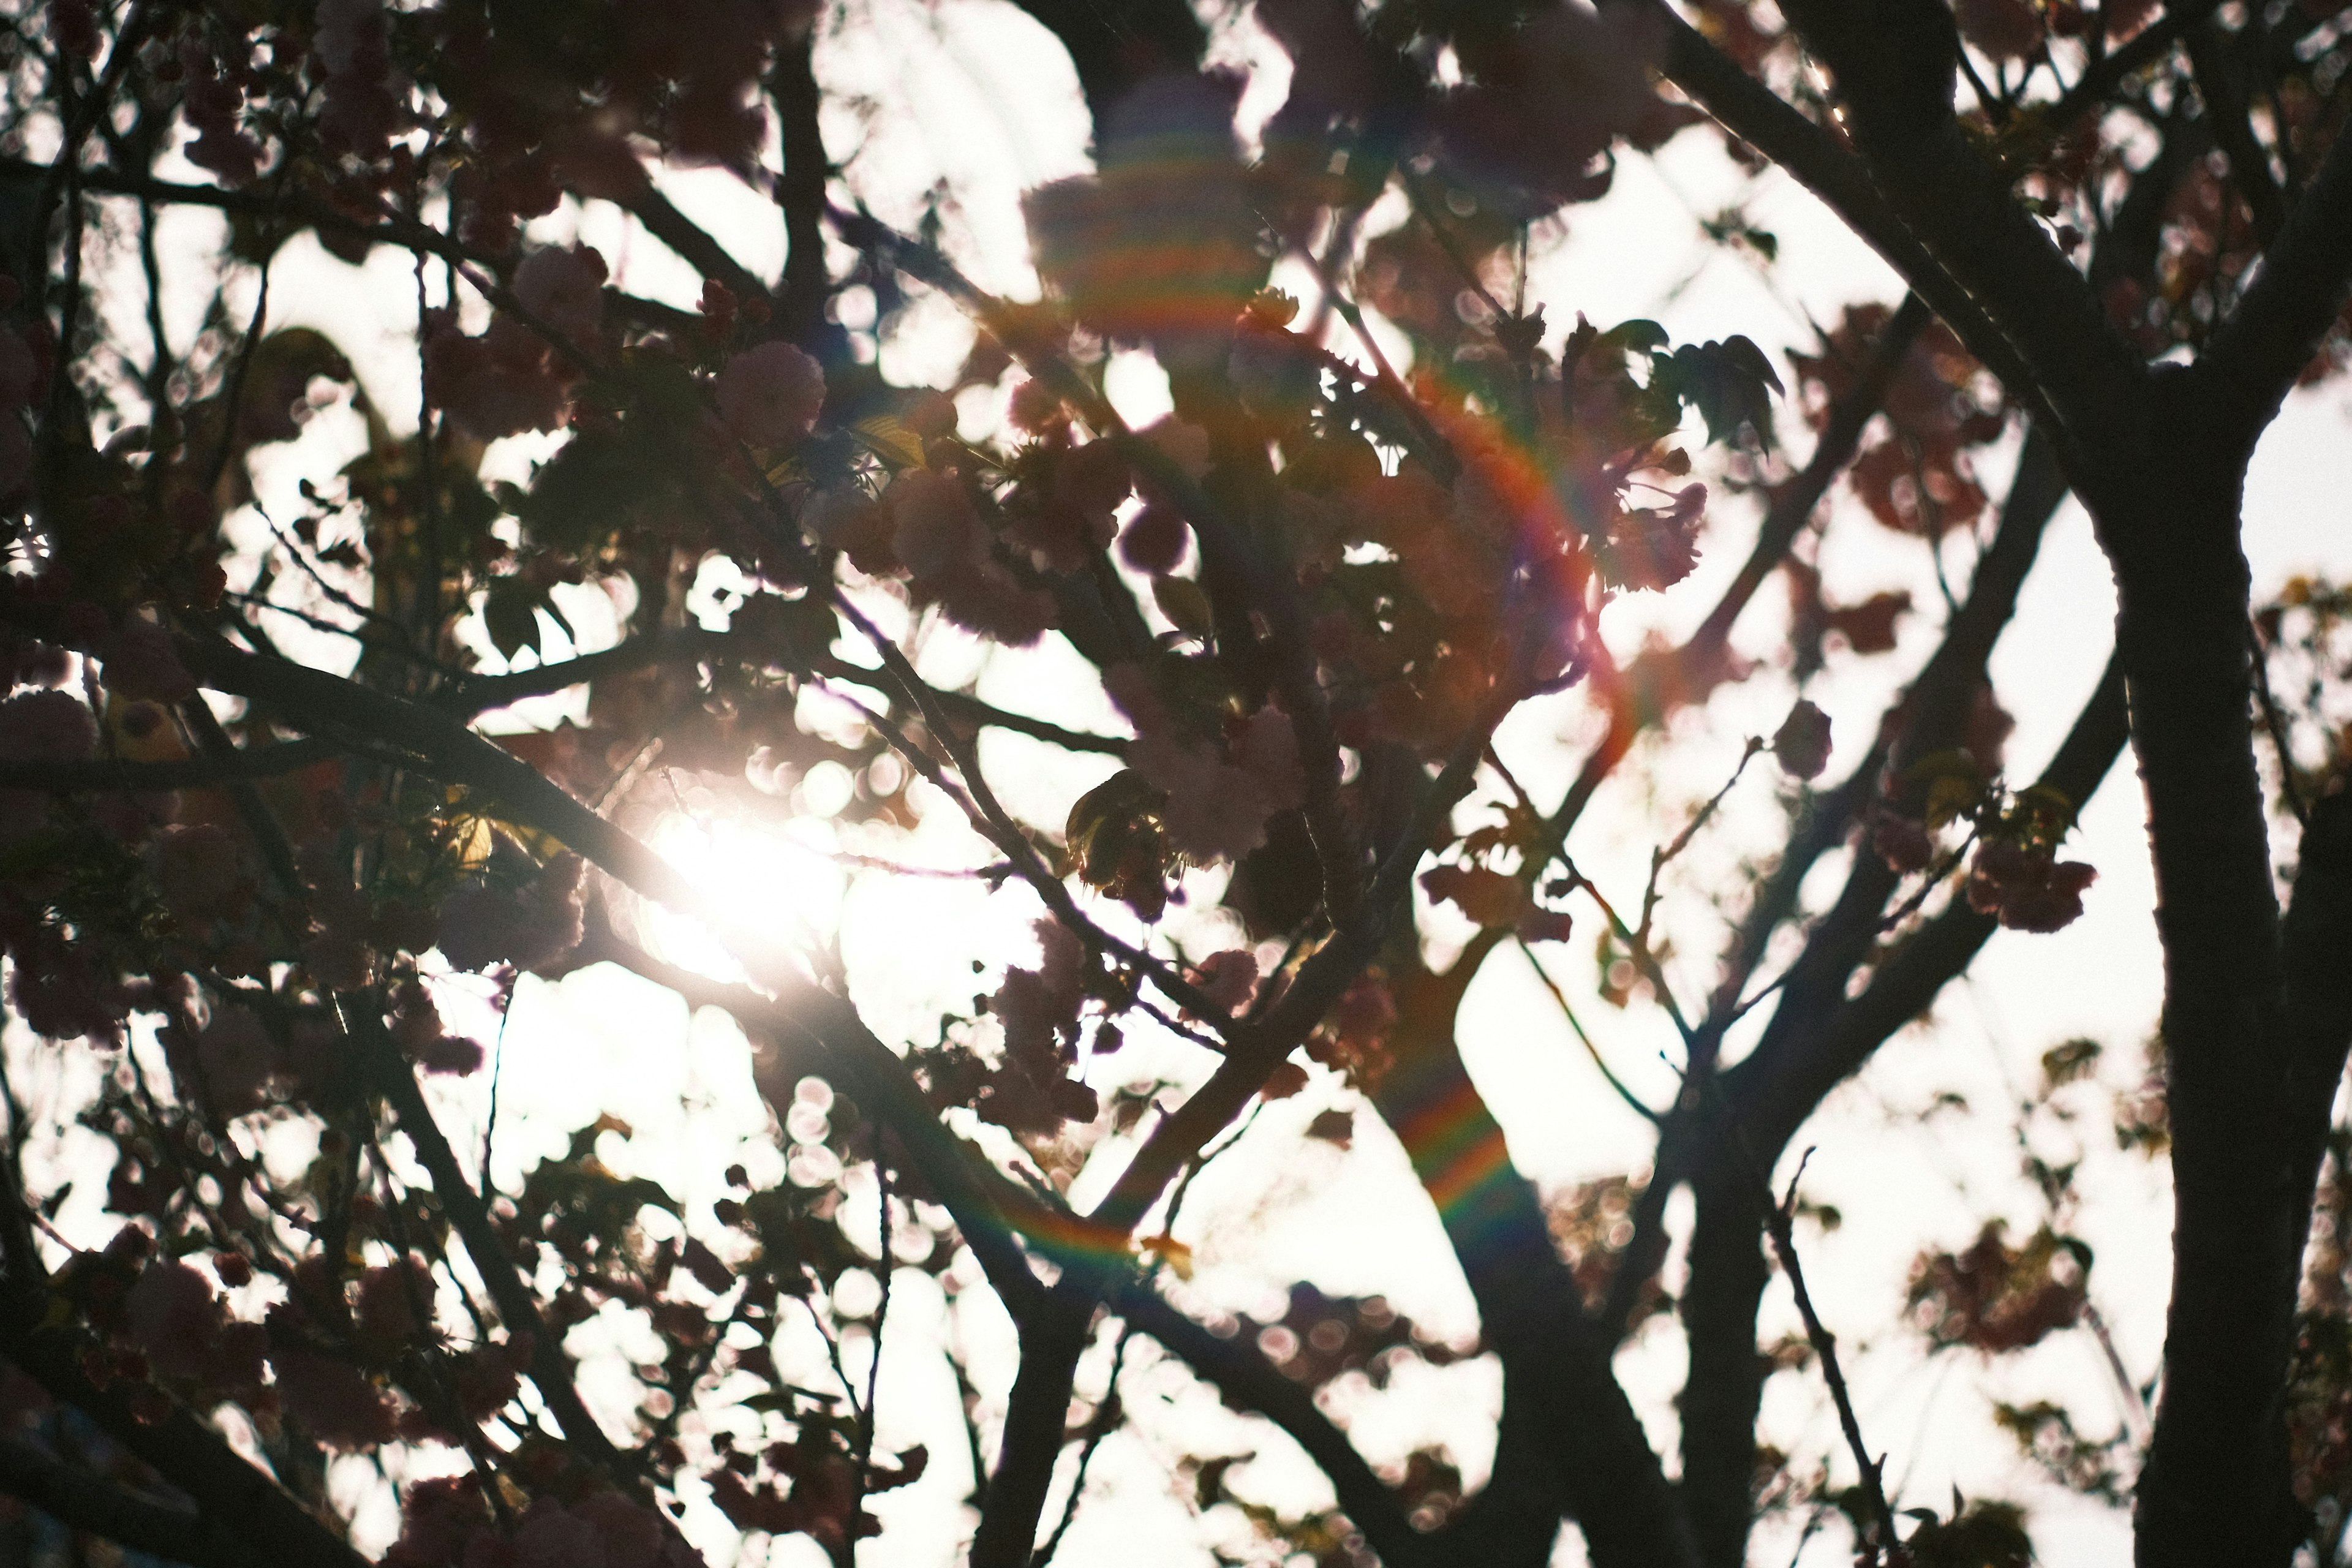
<point x="776" y="879"/>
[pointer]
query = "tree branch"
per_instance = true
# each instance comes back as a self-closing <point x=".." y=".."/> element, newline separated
<point x="2317" y="940"/>
<point x="189" y="773"/>
<point x="1570" y="1438"/>
<point x="1749" y="111"/>
<point x="481" y="693"/>
<point x="269" y="1525"/>
<point x="93" y="1504"/>
<point x="1248" y="1381"/>
<point x="1791" y="507"/>
<point x="1775" y="1105"/>
<point x="1115" y="44"/>
<point x="2293" y="302"/>
<point x="2142" y="48"/>
<point x="2223" y="92"/>
<point x="1893" y="65"/>
<point x="800" y="193"/>
<point x="691" y="242"/>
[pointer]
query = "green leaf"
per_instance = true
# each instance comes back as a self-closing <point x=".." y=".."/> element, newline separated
<point x="1637" y="336"/>
<point x="510" y="615"/>
<point x="1728" y="383"/>
<point x="1745" y="355"/>
<point x="891" y="441"/>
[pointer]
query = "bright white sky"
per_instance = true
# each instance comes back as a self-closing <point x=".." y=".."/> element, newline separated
<point x="972" y="93"/>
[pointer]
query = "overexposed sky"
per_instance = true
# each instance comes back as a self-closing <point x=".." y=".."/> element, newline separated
<point x="973" y="95"/>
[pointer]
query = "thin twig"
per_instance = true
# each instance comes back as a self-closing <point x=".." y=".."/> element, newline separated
<point x="1824" y="1343"/>
<point x="233" y="395"/>
<point x="1661" y="858"/>
<point x="1644" y="959"/>
<point x="1591" y="1049"/>
<point x="2274" y="721"/>
<point x="1099" y="1426"/>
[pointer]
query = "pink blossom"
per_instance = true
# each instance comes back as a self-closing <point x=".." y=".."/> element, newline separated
<point x="350" y="36"/>
<point x="988" y="601"/>
<point x="387" y="1313"/>
<point x="1801" y="745"/>
<point x="215" y="109"/>
<point x="1130" y="690"/>
<point x="337" y="963"/>
<point x="525" y="927"/>
<point x="362" y="108"/>
<point x="632" y="1536"/>
<point x="452" y="1056"/>
<point x="1214" y="810"/>
<point x="437" y="1516"/>
<point x="565" y="288"/>
<point x="56" y="989"/>
<point x="489" y="397"/>
<point x="173" y="1317"/>
<point x="46" y="726"/>
<point x="1487" y="896"/>
<point x="141" y="666"/>
<point x="937" y="532"/>
<point x="334" y="1403"/>
<point x="1185" y="444"/>
<point x="1267" y="749"/>
<point x="1229" y="978"/>
<point x="771" y="395"/>
<point x="197" y="870"/>
<point x="1155" y="538"/>
<point x="1036" y="1004"/>
<point x="237" y="1058"/>
<point x="553" y="1536"/>
<point x="2005" y="29"/>
<point x="1572" y="81"/>
<point x="15" y="454"/>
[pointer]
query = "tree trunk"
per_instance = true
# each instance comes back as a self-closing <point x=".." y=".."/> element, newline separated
<point x="2216" y="1486"/>
<point x="1726" y="1382"/>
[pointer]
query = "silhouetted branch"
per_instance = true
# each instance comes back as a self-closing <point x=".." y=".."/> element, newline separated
<point x="93" y="1504"/>
<point x="264" y="1523"/>
<point x="1240" y="1371"/>
<point x="2293" y="299"/>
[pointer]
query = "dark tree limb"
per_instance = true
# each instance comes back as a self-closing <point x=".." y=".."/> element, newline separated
<point x="2216" y="1484"/>
<point x="84" y="1500"/>
<point x="2317" y="940"/>
<point x="1906" y="986"/>
<point x="362" y="1026"/>
<point x="1791" y="507"/>
<point x="1749" y="111"/>
<point x="1727" y="1267"/>
<point x="2142" y="49"/>
<point x="1115" y="44"/>
<point x="1257" y="1046"/>
<point x="1054" y="1334"/>
<point x="445" y="749"/>
<point x="264" y="1523"/>
<point x="2223" y="90"/>
<point x="691" y="241"/>
<point x="510" y="1289"/>
<point x="1893" y="65"/>
<point x="1770" y="1101"/>
<point x="1929" y="717"/>
<point x="1249" y="1381"/>
<point x="800" y="193"/>
<point x="2295" y="299"/>
<point x="1570" y="1440"/>
<point x="189" y="773"/>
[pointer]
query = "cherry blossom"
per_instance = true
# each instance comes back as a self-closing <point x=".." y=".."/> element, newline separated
<point x="771" y="395"/>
